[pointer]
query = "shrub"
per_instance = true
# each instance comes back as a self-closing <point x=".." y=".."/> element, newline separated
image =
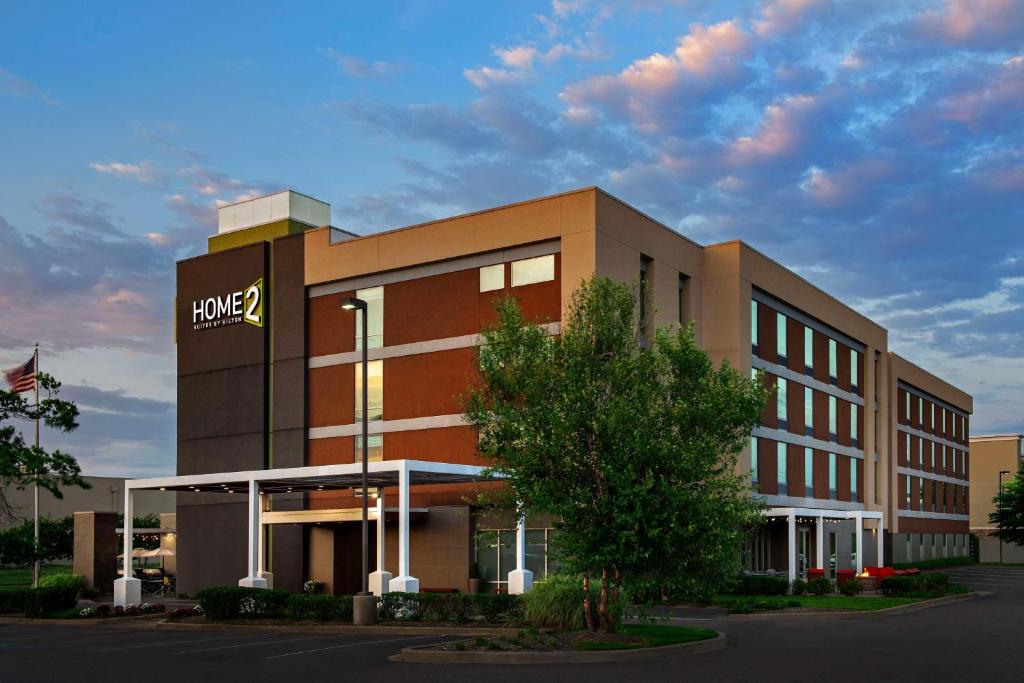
<point x="319" y="607"/>
<point x="458" y="607"/>
<point x="500" y="607"/>
<point x="922" y="585"/>
<point x="103" y="610"/>
<point x="12" y="602"/>
<point x="63" y="580"/>
<point x="820" y="586"/>
<point x="850" y="587"/>
<point x="231" y="602"/>
<point x="760" y="584"/>
<point x="799" y="587"/>
<point x="558" y="603"/>
<point x="751" y="605"/>
<point x="40" y="601"/>
<point x="400" y="606"/>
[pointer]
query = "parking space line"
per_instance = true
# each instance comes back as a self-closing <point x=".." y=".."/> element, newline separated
<point x="338" y="647"/>
<point x="162" y="644"/>
<point x="262" y="642"/>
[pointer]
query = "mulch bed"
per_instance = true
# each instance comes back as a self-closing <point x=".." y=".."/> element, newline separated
<point x="540" y="641"/>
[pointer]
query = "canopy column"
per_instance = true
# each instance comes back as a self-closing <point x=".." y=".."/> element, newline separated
<point x="403" y="583"/>
<point x="254" y="579"/>
<point x="880" y="540"/>
<point x="820" y="542"/>
<point x="520" y="579"/>
<point x="127" y="589"/>
<point x="791" y="544"/>
<point x="380" y="579"/>
<point x="859" y="521"/>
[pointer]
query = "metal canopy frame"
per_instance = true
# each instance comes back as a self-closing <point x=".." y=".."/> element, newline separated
<point x="825" y="515"/>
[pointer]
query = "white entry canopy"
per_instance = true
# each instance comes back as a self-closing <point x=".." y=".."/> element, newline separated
<point x="824" y="515"/>
<point x="254" y="483"/>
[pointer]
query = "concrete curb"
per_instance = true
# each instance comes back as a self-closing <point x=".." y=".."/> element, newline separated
<point x="421" y="654"/>
<point x="833" y="613"/>
<point x="343" y="629"/>
<point x="83" y="622"/>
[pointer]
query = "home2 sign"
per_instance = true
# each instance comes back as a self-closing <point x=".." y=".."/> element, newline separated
<point x="243" y="306"/>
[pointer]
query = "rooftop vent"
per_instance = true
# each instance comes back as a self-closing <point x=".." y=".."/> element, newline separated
<point x="271" y="208"/>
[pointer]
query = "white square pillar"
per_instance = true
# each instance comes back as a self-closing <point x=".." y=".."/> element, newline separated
<point x="881" y="544"/>
<point x="859" y="520"/>
<point x="254" y="579"/>
<point x="520" y="579"/>
<point x="820" y="542"/>
<point x="127" y="589"/>
<point x="791" y="545"/>
<point x="403" y="583"/>
<point x="379" y="580"/>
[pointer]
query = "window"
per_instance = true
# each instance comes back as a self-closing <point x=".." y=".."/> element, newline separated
<point x="492" y="277"/>
<point x="495" y="555"/>
<point x="920" y="411"/>
<point x="920" y="493"/>
<point x="531" y="270"/>
<point x="808" y="473"/>
<point x="375" y="390"/>
<point x="853" y="479"/>
<point x="920" y="453"/>
<point x="374" y="447"/>
<point x="907" y="480"/>
<point x="808" y="348"/>
<point x="832" y="476"/>
<point x="832" y="359"/>
<point x="853" y="423"/>
<point x="832" y="417"/>
<point x="781" y="477"/>
<point x="753" y="462"/>
<point x="682" y="300"/>
<point x="853" y="368"/>
<point x="645" y="289"/>
<point x="780" y="402"/>
<point x="808" y="411"/>
<point x="780" y="335"/>
<point x="906" y="406"/>
<point x="753" y="324"/>
<point x="931" y="425"/>
<point x="933" y="455"/>
<point x="943" y="421"/>
<point x="374" y="298"/>
<point x="943" y="458"/>
<point x="935" y="485"/>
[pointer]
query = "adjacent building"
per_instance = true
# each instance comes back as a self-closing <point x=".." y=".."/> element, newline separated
<point x="994" y="462"/>
<point x="861" y="456"/>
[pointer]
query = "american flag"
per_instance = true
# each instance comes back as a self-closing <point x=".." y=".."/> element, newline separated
<point x="23" y="377"/>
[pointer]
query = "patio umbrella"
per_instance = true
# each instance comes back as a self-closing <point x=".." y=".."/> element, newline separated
<point x="162" y="553"/>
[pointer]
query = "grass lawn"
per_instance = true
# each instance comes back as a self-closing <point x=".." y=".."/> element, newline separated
<point x="16" y="578"/>
<point x="650" y="636"/>
<point x="766" y="603"/>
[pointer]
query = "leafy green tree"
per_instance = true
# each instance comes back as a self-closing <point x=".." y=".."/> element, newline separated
<point x="1009" y="515"/>
<point x="631" y="446"/>
<point x="22" y="464"/>
<point x="56" y="541"/>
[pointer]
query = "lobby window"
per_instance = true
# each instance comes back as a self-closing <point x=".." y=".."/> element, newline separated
<point x="832" y="418"/>
<point x="531" y="270"/>
<point x="781" y="476"/>
<point x="832" y="364"/>
<point x="853" y="479"/>
<point x="853" y="424"/>
<point x="854" y="356"/>
<point x="832" y="476"/>
<point x="753" y="325"/>
<point x="375" y="390"/>
<point x="808" y="350"/>
<point x="780" y="402"/>
<point x="492" y="278"/>
<point x="494" y="553"/>
<point x="808" y="473"/>
<point x="808" y="411"/>
<point x="374" y="298"/>
<point x="780" y="337"/>
<point x="753" y="463"/>
<point x="374" y="447"/>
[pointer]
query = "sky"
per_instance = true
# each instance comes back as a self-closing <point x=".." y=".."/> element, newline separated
<point x="876" y="148"/>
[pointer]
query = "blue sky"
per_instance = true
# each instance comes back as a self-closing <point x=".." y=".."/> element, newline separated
<point x="876" y="148"/>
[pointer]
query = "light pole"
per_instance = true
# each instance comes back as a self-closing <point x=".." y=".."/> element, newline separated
<point x="1000" y="494"/>
<point x="364" y="610"/>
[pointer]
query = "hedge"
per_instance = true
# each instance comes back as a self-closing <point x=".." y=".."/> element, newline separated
<point x="37" y="602"/>
<point x="930" y="585"/>
<point x="458" y="607"/>
<point x="759" y="584"/>
<point x="319" y="607"/>
<point x="231" y="602"/>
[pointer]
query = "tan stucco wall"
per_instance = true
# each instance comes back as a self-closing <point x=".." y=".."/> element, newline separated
<point x="989" y="456"/>
<point x="106" y="495"/>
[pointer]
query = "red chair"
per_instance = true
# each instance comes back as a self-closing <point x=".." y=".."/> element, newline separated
<point x="880" y="572"/>
<point x="814" y="573"/>
<point x="844" y="575"/>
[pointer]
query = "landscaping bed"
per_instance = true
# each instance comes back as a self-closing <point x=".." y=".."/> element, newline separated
<point x="628" y="637"/>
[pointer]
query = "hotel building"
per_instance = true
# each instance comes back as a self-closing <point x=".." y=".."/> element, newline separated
<point x="861" y="457"/>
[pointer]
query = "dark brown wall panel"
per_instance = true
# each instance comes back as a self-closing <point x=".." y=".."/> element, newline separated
<point x="843" y="422"/>
<point x="795" y="407"/>
<point x="820" y="357"/>
<point x="821" y="475"/>
<point x="767" y="469"/>
<point x="923" y="525"/>
<point x="427" y="384"/>
<point x="331" y="330"/>
<point x="332" y="395"/>
<point x="211" y="545"/>
<point x="795" y="345"/>
<point x="767" y="333"/>
<point x="842" y="477"/>
<point x="795" y="470"/>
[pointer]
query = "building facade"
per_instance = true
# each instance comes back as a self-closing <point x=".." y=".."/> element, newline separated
<point x="995" y="460"/>
<point x="269" y="374"/>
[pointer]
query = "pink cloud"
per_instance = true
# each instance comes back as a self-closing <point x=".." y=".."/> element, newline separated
<point x="781" y="17"/>
<point x="979" y="23"/>
<point x="847" y="184"/>
<point x="781" y="132"/>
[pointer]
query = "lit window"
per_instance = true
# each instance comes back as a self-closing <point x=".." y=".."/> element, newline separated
<point x="832" y="416"/>
<point x="943" y="457"/>
<point x="808" y="347"/>
<point x="909" y="463"/>
<point x="933" y="455"/>
<point x="780" y="335"/>
<point x="753" y="461"/>
<point x="492" y="277"/>
<point x="853" y="479"/>
<point x="374" y="447"/>
<point x="374" y="298"/>
<point x="920" y="453"/>
<point x="375" y="390"/>
<point x="832" y="476"/>
<point x="753" y="323"/>
<point x="920" y="410"/>
<point x="943" y="421"/>
<point x="808" y="473"/>
<point x="920" y="493"/>
<point x="906" y="405"/>
<point x="853" y="423"/>
<point x="931" y="425"/>
<point x="832" y="358"/>
<point x="808" y="410"/>
<point x="531" y="270"/>
<point x="781" y="477"/>
<point x="853" y="367"/>
<point x="780" y="402"/>
<point x="907" y="480"/>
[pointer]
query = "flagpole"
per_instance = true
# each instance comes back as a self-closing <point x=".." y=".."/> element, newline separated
<point x="35" y="565"/>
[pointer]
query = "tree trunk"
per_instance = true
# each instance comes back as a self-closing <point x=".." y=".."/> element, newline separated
<point x="602" y="605"/>
<point x="588" y="617"/>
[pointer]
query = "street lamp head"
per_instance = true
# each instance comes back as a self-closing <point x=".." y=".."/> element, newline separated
<point x="1001" y="472"/>
<point x="350" y="303"/>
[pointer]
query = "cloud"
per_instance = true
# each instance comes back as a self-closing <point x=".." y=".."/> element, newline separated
<point x="143" y="172"/>
<point x="92" y="215"/>
<point x="781" y="17"/>
<point x="361" y="68"/>
<point x="984" y="24"/>
<point x="15" y="86"/>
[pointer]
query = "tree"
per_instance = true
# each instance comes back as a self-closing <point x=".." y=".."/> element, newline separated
<point x="22" y="464"/>
<point x="1009" y="515"/>
<point x="631" y="446"/>
<point x="56" y="541"/>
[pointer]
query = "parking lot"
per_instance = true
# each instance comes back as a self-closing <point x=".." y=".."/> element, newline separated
<point x="959" y="641"/>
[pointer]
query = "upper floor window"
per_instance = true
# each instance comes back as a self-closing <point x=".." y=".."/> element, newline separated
<point x="832" y="476"/>
<point x="853" y="423"/>
<point x="753" y="323"/>
<point x="943" y="457"/>
<point x="492" y="277"/>
<point x="920" y="453"/>
<point x="374" y="447"/>
<point x="780" y="335"/>
<point x="853" y="479"/>
<point x="808" y="348"/>
<point x="683" y="318"/>
<point x="933" y="454"/>
<point x="808" y="473"/>
<point x="782" y="477"/>
<point x="854" y="356"/>
<point x="920" y="410"/>
<point x="375" y="390"/>
<point x="907" y="494"/>
<point x="753" y="461"/>
<point x="808" y="410"/>
<point x="374" y="298"/>
<point x="943" y="421"/>
<point x="531" y="270"/>
<point x="931" y="425"/>
<point x="832" y="417"/>
<point x="906" y="406"/>
<point x="780" y="402"/>
<point x="832" y="363"/>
